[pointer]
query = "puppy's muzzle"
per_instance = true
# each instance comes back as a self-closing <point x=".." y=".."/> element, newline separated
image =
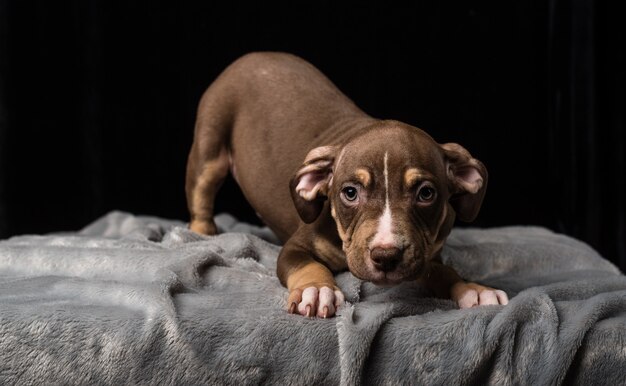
<point x="386" y="259"/>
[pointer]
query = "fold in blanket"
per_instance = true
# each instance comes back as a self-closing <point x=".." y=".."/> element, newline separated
<point x="133" y="299"/>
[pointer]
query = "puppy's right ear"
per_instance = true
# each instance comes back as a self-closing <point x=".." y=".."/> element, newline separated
<point x="309" y="186"/>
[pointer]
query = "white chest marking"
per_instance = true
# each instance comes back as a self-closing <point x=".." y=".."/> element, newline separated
<point x="384" y="237"/>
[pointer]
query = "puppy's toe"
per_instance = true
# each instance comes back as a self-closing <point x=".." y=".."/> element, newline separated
<point x="328" y="302"/>
<point x="492" y="296"/>
<point x="468" y="299"/>
<point x="503" y="298"/>
<point x="308" y="305"/>
<point x="295" y="297"/>
<point x="487" y="297"/>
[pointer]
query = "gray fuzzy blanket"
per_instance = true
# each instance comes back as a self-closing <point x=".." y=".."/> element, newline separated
<point x="140" y="300"/>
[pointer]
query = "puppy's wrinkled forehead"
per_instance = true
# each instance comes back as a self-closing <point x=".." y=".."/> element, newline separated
<point x="403" y="146"/>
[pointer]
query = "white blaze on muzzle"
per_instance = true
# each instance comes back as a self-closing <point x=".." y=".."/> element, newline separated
<point x="384" y="237"/>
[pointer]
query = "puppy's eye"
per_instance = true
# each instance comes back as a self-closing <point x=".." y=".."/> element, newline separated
<point x="350" y="193"/>
<point x="426" y="194"/>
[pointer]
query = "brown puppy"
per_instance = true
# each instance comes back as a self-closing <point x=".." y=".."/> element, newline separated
<point x="377" y="197"/>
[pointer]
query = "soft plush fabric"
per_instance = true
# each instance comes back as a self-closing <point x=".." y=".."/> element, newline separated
<point x="140" y="300"/>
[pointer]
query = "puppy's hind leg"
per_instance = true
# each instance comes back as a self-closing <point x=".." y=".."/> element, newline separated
<point x="208" y="164"/>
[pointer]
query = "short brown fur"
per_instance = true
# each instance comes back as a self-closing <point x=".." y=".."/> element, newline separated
<point x="292" y="135"/>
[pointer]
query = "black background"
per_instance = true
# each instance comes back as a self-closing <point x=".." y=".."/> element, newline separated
<point x="98" y="99"/>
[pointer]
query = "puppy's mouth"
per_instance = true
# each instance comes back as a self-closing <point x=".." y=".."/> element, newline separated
<point x="366" y="270"/>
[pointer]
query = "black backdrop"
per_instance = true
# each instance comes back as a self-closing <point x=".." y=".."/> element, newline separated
<point x="97" y="99"/>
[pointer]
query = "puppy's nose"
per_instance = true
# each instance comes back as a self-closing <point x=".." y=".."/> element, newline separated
<point x="386" y="259"/>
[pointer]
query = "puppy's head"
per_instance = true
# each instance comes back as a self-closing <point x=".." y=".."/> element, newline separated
<point x="394" y="193"/>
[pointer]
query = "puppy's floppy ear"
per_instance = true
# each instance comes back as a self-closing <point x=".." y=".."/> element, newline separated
<point x="309" y="186"/>
<point x="468" y="179"/>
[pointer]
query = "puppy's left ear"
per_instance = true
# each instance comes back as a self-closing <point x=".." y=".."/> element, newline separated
<point x="468" y="178"/>
<point x="309" y="186"/>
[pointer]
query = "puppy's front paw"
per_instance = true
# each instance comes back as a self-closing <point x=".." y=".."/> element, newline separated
<point x="468" y="295"/>
<point x="311" y="301"/>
